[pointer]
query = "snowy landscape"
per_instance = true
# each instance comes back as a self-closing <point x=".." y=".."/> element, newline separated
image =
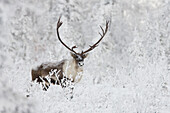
<point x="128" y="72"/>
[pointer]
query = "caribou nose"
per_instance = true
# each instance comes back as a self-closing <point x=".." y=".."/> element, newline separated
<point x="81" y="63"/>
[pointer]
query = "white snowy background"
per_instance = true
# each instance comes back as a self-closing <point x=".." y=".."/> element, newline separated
<point x="129" y="72"/>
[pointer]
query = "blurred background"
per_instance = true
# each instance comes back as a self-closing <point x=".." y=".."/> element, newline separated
<point x="129" y="72"/>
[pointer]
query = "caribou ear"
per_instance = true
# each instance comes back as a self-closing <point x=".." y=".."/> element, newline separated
<point x="73" y="55"/>
<point x="85" y="55"/>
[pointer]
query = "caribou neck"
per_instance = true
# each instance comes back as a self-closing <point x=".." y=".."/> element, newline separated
<point x="71" y="70"/>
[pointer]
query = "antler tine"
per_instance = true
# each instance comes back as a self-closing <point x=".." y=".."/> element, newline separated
<point x="102" y="35"/>
<point x="59" y="23"/>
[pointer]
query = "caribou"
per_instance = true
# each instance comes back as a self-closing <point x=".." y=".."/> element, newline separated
<point x="67" y="71"/>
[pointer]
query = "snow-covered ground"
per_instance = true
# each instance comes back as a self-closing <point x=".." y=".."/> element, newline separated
<point x="129" y="72"/>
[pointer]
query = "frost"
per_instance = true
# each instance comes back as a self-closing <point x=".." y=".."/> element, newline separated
<point x="128" y="72"/>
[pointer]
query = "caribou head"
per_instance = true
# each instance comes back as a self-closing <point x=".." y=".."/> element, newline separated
<point x="79" y="57"/>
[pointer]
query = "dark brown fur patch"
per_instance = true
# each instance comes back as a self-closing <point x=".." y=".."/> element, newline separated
<point x="44" y="69"/>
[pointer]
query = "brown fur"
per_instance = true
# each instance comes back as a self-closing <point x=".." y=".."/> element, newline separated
<point x="44" y="69"/>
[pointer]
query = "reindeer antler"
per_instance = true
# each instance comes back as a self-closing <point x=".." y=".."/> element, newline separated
<point x="102" y="35"/>
<point x="59" y="23"/>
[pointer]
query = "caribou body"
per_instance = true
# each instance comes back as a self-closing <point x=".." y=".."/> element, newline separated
<point x="67" y="71"/>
